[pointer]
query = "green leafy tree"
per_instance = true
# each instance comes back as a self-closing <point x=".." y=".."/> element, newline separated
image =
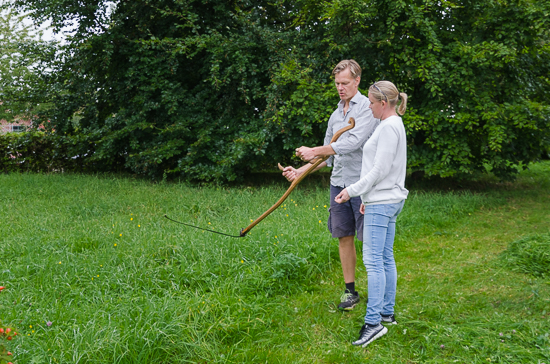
<point x="477" y="73"/>
<point x="24" y="60"/>
<point x="211" y="90"/>
<point x="170" y="87"/>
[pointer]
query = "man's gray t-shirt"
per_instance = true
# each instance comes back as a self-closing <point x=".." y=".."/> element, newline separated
<point x="349" y="147"/>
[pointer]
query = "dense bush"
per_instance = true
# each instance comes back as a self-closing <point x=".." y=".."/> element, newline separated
<point x="215" y="89"/>
<point x="47" y="152"/>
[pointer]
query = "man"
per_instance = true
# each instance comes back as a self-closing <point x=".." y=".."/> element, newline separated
<point x="346" y="153"/>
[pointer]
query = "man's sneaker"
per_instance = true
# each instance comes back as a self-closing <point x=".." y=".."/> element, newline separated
<point x="348" y="301"/>
<point x="369" y="333"/>
<point x="390" y="320"/>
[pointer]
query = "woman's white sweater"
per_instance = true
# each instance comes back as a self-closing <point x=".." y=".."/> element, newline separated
<point x="384" y="165"/>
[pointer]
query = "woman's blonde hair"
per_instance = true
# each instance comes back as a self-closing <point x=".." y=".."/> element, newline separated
<point x="386" y="91"/>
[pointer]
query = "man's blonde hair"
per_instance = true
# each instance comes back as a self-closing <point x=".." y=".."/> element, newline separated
<point x="353" y="66"/>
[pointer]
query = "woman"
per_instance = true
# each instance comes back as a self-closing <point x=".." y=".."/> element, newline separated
<point x="383" y="193"/>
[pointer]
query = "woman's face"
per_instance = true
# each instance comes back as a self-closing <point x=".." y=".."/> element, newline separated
<point x="376" y="106"/>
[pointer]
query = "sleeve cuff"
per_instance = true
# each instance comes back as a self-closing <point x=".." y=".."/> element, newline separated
<point x="334" y="147"/>
<point x="351" y="191"/>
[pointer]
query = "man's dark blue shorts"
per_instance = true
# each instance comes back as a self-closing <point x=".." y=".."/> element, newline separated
<point x="345" y="219"/>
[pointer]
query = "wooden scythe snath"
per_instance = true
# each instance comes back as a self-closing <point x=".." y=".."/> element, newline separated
<point x="314" y="163"/>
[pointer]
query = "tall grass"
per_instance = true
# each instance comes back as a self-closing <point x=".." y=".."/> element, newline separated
<point x="120" y="283"/>
<point x="94" y="256"/>
<point x="530" y="254"/>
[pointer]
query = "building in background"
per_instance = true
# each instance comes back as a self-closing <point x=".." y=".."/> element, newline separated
<point x="14" y="126"/>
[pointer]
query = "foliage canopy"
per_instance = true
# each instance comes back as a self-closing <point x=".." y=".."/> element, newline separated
<point x="211" y="89"/>
<point x="24" y="58"/>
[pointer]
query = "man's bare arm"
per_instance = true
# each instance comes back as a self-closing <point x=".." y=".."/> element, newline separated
<point x="308" y="154"/>
<point x="291" y="173"/>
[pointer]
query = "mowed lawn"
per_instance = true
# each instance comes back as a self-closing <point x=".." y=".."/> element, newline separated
<point x="95" y="274"/>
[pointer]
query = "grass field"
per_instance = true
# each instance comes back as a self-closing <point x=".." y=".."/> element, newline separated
<point x="95" y="274"/>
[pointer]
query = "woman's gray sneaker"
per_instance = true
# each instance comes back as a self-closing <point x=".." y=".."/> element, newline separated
<point x="369" y="333"/>
<point x="348" y="301"/>
<point x="390" y="319"/>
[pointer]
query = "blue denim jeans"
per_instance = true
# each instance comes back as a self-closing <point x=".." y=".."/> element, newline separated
<point x="379" y="234"/>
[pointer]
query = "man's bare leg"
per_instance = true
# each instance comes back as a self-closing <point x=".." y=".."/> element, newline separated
<point x="348" y="258"/>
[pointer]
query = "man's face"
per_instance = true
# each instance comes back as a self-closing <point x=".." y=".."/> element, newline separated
<point x="346" y="85"/>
